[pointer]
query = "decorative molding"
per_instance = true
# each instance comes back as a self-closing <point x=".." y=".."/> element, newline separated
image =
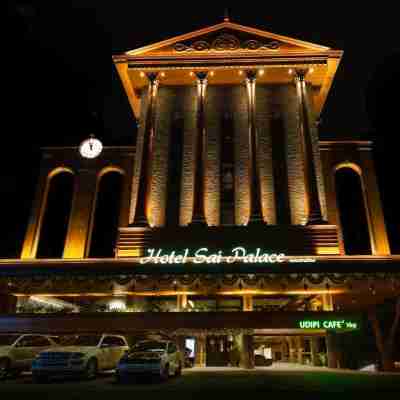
<point x="227" y="42"/>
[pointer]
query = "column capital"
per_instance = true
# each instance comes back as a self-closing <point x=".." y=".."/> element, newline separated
<point x="152" y="77"/>
<point x="300" y="74"/>
<point x="251" y="75"/>
<point x="201" y="76"/>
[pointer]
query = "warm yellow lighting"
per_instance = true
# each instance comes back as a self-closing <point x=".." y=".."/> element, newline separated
<point x="162" y="74"/>
<point x="142" y="74"/>
<point x="191" y="73"/>
<point x="240" y="72"/>
<point x="261" y="72"/>
<point x="212" y="73"/>
<point x="322" y="250"/>
<point x="311" y="70"/>
<point x="290" y="71"/>
<point x="117" y="305"/>
<point x="236" y="292"/>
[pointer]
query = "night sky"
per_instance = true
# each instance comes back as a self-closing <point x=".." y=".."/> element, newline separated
<point x="61" y="84"/>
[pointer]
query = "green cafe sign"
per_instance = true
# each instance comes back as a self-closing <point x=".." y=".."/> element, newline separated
<point x="335" y="324"/>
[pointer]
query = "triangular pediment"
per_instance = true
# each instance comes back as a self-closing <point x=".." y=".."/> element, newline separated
<point x="226" y="37"/>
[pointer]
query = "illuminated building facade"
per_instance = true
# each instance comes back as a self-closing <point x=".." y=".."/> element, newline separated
<point x="228" y="214"/>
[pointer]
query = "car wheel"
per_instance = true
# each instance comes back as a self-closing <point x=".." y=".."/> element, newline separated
<point x="4" y="368"/>
<point x="164" y="375"/>
<point x="91" y="369"/>
<point x="178" y="371"/>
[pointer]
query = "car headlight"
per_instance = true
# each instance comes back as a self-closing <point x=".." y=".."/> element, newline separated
<point x="77" y="356"/>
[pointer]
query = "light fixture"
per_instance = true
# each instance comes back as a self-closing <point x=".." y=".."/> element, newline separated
<point x="290" y="71"/>
<point x="212" y="73"/>
<point x="191" y="73"/>
<point x="162" y="74"/>
<point x="142" y="74"/>
<point x="311" y="70"/>
<point x="240" y="72"/>
<point x="90" y="147"/>
<point x="117" y="305"/>
<point x="261" y="72"/>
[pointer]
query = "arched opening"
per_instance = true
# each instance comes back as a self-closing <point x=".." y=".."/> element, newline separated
<point x="106" y="215"/>
<point x="352" y="211"/>
<point x="56" y="216"/>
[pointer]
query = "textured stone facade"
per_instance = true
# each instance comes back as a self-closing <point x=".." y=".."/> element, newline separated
<point x="272" y="101"/>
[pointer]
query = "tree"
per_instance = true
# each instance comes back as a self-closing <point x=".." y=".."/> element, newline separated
<point x="386" y="343"/>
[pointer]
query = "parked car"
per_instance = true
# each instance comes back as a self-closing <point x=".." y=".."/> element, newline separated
<point x="18" y="351"/>
<point x="150" y="357"/>
<point x="82" y="355"/>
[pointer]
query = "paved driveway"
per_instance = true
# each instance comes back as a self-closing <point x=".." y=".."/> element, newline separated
<point x="207" y="383"/>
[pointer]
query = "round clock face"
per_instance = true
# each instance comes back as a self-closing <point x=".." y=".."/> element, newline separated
<point x="90" y="148"/>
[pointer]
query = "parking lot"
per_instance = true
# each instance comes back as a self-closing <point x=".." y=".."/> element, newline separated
<point x="195" y="382"/>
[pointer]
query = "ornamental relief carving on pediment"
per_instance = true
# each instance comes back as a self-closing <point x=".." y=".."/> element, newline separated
<point x="227" y="42"/>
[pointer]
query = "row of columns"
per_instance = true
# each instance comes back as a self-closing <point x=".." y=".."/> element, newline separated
<point x="296" y="344"/>
<point x="313" y="205"/>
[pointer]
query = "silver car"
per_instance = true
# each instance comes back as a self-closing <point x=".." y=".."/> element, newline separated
<point x="150" y="357"/>
<point x="18" y="351"/>
<point x="82" y="355"/>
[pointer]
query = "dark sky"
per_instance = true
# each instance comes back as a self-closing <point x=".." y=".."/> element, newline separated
<point x="61" y="84"/>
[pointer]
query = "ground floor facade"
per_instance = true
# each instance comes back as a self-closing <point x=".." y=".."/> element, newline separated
<point x="227" y="315"/>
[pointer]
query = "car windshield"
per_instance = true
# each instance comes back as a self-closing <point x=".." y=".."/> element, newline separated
<point x="149" y="346"/>
<point x="8" y="340"/>
<point x="82" y="340"/>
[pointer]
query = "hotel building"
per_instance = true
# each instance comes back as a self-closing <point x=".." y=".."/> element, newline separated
<point x="229" y="231"/>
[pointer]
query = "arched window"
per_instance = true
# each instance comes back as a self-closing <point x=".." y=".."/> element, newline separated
<point x="106" y="215"/>
<point x="56" y="216"/>
<point x="352" y="211"/>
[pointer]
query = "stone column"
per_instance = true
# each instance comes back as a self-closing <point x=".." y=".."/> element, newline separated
<point x="181" y="302"/>
<point x="200" y="351"/>
<point x="300" y="349"/>
<point x="332" y="350"/>
<point x="31" y="240"/>
<point x="246" y="350"/>
<point x="247" y="302"/>
<point x="314" y="347"/>
<point x="141" y="218"/>
<point x="180" y="341"/>
<point x="327" y="302"/>
<point x="255" y="215"/>
<point x="77" y="241"/>
<point x="292" y="350"/>
<point x="313" y="204"/>
<point x="198" y="217"/>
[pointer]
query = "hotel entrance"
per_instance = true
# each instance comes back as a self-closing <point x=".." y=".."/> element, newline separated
<point x="220" y="351"/>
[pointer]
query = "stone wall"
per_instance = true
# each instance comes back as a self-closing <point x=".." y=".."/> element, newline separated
<point x="272" y="101"/>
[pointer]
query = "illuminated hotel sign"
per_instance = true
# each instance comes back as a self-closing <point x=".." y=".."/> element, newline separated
<point x="204" y="256"/>
<point x="329" y="323"/>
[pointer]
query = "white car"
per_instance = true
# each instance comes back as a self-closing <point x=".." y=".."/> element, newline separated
<point x="150" y="357"/>
<point x="18" y="351"/>
<point x="81" y="355"/>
